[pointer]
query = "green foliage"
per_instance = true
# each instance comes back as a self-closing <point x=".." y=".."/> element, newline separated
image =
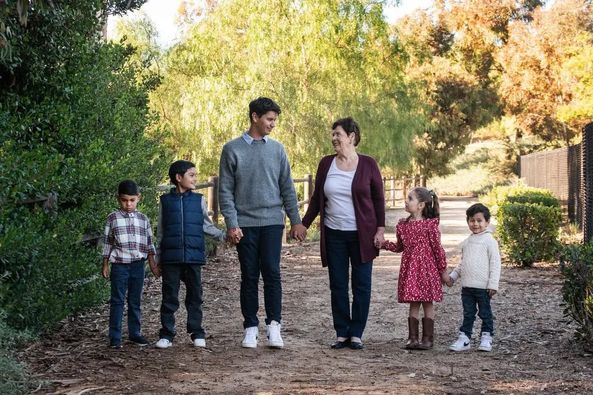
<point x="13" y="376"/>
<point x="528" y="227"/>
<point x="72" y="122"/>
<point x="319" y="60"/>
<point x="500" y="194"/>
<point x="576" y="263"/>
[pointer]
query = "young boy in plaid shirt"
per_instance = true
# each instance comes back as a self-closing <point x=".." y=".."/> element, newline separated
<point x="127" y="245"/>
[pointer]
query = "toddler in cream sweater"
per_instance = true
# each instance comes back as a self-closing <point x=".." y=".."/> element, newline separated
<point x="479" y="273"/>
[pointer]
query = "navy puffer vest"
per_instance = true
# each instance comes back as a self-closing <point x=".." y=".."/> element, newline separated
<point x="183" y="228"/>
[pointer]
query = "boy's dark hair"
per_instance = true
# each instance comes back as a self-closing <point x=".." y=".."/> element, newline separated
<point x="128" y="187"/>
<point x="262" y="105"/>
<point x="350" y="126"/>
<point x="478" y="208"/>
<point x="179" y="167"/>
<point x="430" y="200"/>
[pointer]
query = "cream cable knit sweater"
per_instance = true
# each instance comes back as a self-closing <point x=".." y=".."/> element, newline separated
<point x="480" y="262"/>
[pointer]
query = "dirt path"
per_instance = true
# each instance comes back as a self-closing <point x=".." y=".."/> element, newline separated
<point x="533" y="348"/>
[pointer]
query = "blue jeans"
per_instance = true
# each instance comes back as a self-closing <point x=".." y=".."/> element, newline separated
<point x="343" y="251"/>
<point x="476" y="300"/>
<point x="259" y="252"/>
<point x="128" y="278"/>
<point x="191" y="275"/>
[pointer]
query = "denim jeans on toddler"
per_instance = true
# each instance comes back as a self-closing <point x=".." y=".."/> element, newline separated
<point x="125" y="277"/>
<point x="476" y="300"/>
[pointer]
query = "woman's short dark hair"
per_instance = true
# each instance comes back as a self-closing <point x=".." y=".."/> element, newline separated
<point x="262" y="105"/>
<point x="179" y="167"/>
<point x="478" y="208"/>
<point x="128" y="187"/>
<point x="350" y="126"/>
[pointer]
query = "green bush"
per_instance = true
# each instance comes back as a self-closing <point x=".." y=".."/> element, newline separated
<point x="576" y="263"/>
<point x="14" y="378"/>
<point x="518" y="194"/>
<point x="73" y="122"/>
<point x="528" y="232"/>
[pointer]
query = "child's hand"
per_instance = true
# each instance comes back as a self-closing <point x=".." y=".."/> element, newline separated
<point x="491" y="292"/>
<point x="156" y="270"/>
<point x="446" y="279"/>
<point x="105" y="270"/>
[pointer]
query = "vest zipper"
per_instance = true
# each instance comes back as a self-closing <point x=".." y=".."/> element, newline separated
<point x="182" y="229"/>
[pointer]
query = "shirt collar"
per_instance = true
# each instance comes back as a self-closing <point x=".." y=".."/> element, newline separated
<point x="128" y="215"/>
<point x="248" y="139"/>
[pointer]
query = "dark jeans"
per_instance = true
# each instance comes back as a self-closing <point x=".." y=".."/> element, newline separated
<point x="259" y="252"/>
<point x="476" y="300"/>
<point x="191" y="275"/>
<point x="343" y="251"/>
<point x="128" y="278"/>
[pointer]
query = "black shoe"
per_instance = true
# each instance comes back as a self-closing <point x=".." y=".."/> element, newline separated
<point x="115" y="344"/>
<point x="340" y="344"/>
<point x="139" y="340"/>
<point x="356" y="345"/>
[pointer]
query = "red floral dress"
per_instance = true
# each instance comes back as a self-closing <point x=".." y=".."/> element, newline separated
<point x="423" y="260"/>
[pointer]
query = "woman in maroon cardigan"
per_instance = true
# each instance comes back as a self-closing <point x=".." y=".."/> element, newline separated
<point x="349" y="200"/>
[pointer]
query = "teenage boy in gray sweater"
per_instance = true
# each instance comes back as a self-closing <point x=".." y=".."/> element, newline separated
<point x="255" y="192"/>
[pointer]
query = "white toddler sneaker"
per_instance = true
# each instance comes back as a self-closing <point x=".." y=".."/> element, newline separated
<point x="461" y="344"/>
<point x="485" y="342"/>
<point x="199" y="342"/>
<point x="274" y="338"/>
<point x="163" y="343"/>
<point x="250" y="337"/>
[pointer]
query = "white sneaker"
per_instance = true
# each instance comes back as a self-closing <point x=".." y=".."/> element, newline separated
<point x="199" y="342"/>
<point x="461" y="344"/>
<point x="250" y="338"/>
<point x="485" y="342"/>
<point x="274" y="338"/>
<point x="163" y="343"/>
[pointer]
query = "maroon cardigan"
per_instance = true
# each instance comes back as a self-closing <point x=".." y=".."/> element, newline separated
<point x="368" y="199"/>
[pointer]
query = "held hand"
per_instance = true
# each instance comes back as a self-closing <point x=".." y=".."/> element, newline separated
<point x="298" y="232"/>
<point x="491" y="292"/>
<point x="156" y="270"/>
<point x="234" y="235"/>
<point x="379" y="238"/>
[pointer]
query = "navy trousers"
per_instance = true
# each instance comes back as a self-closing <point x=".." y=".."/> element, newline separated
<point x="259" y="253"/>
<point x="343" y="253"/>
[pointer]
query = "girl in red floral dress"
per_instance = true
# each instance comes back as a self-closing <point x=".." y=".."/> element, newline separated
<point x="423" y="264"/>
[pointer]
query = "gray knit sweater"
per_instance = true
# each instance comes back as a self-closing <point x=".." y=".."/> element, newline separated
<point x="255" y="185"/>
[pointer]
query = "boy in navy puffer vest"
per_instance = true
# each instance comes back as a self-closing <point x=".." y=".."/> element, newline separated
<point x="183" y="223"/>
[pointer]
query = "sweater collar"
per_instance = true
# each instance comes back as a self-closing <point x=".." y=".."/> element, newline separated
<point x="248" y="139"/>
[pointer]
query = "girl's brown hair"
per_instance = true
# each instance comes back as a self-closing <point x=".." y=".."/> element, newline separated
<point x="430" y="200"/>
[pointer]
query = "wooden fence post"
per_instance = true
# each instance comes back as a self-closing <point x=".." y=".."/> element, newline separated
<point x="404" y="188"/>
<point x="308" y="191"/>
<point x="392" y="191"/>
<point x="213" y="198"/>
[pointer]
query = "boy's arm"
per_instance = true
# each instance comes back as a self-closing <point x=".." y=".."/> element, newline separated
<point x="151" y="250"/>
<point x="226" y="188"/>
<point x="287" y="191"/>
<point x="107" y="246"/>
<point x="209" y="228"/>
<point x="456" y="273"/>
<point x="494" y="265"/>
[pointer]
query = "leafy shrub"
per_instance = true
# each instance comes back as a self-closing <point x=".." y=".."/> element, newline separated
<point x="14" y="378"/>
<point x="528" y="232"/>
<point x="518" y="194"/>
<point x="576" y="263"/>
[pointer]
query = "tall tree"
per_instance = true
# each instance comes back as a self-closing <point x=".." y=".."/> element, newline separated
<point x="319" y="59"/>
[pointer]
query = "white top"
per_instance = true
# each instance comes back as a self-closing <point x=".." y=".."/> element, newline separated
<point x="339" y="209"/>
<point x="480" y="262"/>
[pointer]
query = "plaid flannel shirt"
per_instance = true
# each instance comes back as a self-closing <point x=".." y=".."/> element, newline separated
<point x="128" y="237"/>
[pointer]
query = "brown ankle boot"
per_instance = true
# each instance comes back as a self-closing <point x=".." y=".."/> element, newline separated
<point x="412" y="342"/>
<point x="427" y="334"/>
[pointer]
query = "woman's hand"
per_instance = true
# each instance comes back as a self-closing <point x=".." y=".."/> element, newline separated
<point x="379" y="237"/>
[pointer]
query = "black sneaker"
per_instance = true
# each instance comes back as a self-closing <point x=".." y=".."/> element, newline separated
<point x="139" y="340"/>
<point x="115" y="344"/>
